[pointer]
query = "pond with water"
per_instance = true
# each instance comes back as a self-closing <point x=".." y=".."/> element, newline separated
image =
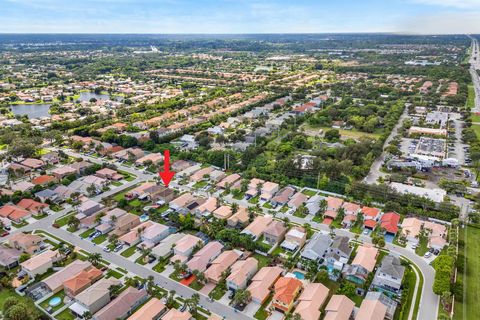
<point x="31" y="110"/>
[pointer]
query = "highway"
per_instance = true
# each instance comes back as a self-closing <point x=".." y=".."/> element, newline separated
<point x="474" y="67"/>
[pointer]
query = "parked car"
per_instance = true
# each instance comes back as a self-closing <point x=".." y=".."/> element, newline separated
<point x="107" y="249"/>
<point x="427" y="255"/>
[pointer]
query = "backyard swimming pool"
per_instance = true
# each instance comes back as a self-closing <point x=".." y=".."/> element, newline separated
<point x="55" y="301"/>
<point x="299" y="275"/>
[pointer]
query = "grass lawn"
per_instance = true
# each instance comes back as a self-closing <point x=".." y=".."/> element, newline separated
<point x="116" y="183"/>
<point x="476" y="128"/>
<point x="65" y="315"/>
<point x="128" y="252"/>
<point x="317" y="219"/>
<point x="5" y="293"/>
<point x="113" y="273"/>
<point x="254" y="200"/>
<point x="196" y="285"/>
<point x="471" y="97"/>
<point x="63" y="220"/>
<point x="299" y="214"/>
<point x="218" y="292"/>
<point x="160" y="267"/>
<point x="475" y="118"/>
<point x="267" y="205"/>
<point x="422" y="245"/>
<point x="40" y="216"/>
<point x="262" y="314"/>
<point x="100" y="239"/>
<point x="471" y="277"/>
<point x="309" y="193"/>
<point x="19" y="225"/>
<point x="87" y="233"/>
<point x="45" y="304"/>
<point x="262" y="260"/>
<point x="135" y="203"/>
<point x="200" y="184"/>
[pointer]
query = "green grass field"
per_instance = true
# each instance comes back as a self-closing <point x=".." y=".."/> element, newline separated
<point x="471" y="97"/>
<point x="5" y="293"/>
<point x="467" y="310"/>
<point x="476" y="128"/>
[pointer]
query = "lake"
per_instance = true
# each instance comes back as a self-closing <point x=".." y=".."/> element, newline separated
<point x="31" y="110"/>
<point x="86" y="96"/>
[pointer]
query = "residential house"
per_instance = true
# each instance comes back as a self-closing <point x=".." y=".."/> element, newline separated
<point x="56" y="280"/>
<point x="34" y="164"/>
<point x="180" y="165"/>
<point x="317" y="247"/>
<point x="164" y="248"/>
<point x="282" y="197"/>
<point x="14" y="213"/>
<point x="109" y="174"/>
<point x="224" y="261"/>
<point x="286" y="290"/>
<point x="339" y="253"/>
<point x="333" y="205"/>
<point x="258" y="226"/>
<point x="313" y="204"/>
<point x="222" y="212"/>
<point x="22" y="186"/>
<point x="411" y="228"/>
<point x="128" y="154"/>
<point x="228" y="181"/>
<point x="151" y="158"/>
<point x="268" y="190"/>
<point x="123" y="305"/>
<point x="274" y="233"/>
<point x="378" y="296"/>
<point x="311" y="300"/>
<point x="82" y="280"/>
<point x="241" y="272"/>
<point x="51" y="158"/>
<point x="136" y="192"/>
<point x="183" y="248"/>
<point x="351" y="210"/>
<point x="40" y="263"/>
<point x="436" y="233"/>
<point x="26" y="242"/>
<point x="370" y="217"/>
<point x="206" y="208"/>
<point x="294" y="239"/>
<point x="389" y="275"/>
<point x="34" y="207"/>
<point x="181" y="202"/>
<point x="217" y="175"/>
<point x="362" y="264"/>
<point x="152" y="310"/>
<point x="64" y="192"/>
<point x="126" y="223"/>
<point x="153" y="234"/>
<point x="94" y="297"/>
<point x="339" y="308"/>
<point x="203" y="257"/>
<point x="389" y="221"/>
<point x="239" y="219"/>
<point x="371" y="310"/>
<point x="262" y="283"/>
<point x="43" y="180"/>
<point x="81" y="167"/>
<point x="9" y="257"/>
<point x="201" y="174"/>
<point x="89" y="207"/>
<point x="297" y="200"/>
<point x="158" y="194"/>
<point x="253" y="188"/>
<point x="47" y="195"/>
<point x="174" y="314"/>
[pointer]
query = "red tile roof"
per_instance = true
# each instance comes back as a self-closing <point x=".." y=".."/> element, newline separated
<point x="370" y="223"/>
<point x="390" y="222"/>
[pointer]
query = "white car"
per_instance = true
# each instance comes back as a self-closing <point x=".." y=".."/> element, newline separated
<point x="427" y="255"/>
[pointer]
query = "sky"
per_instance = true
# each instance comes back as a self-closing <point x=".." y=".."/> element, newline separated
<point x="239" y="16"/>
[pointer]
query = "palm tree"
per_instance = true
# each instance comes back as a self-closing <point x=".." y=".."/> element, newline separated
<point x="87" y="315"/>
<point x="171" y="299"/>
<point x="241" y="297"/>
<point x="73" y="222"/>
<point x="94" y="258"/>
<point x="234" y="207"/>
